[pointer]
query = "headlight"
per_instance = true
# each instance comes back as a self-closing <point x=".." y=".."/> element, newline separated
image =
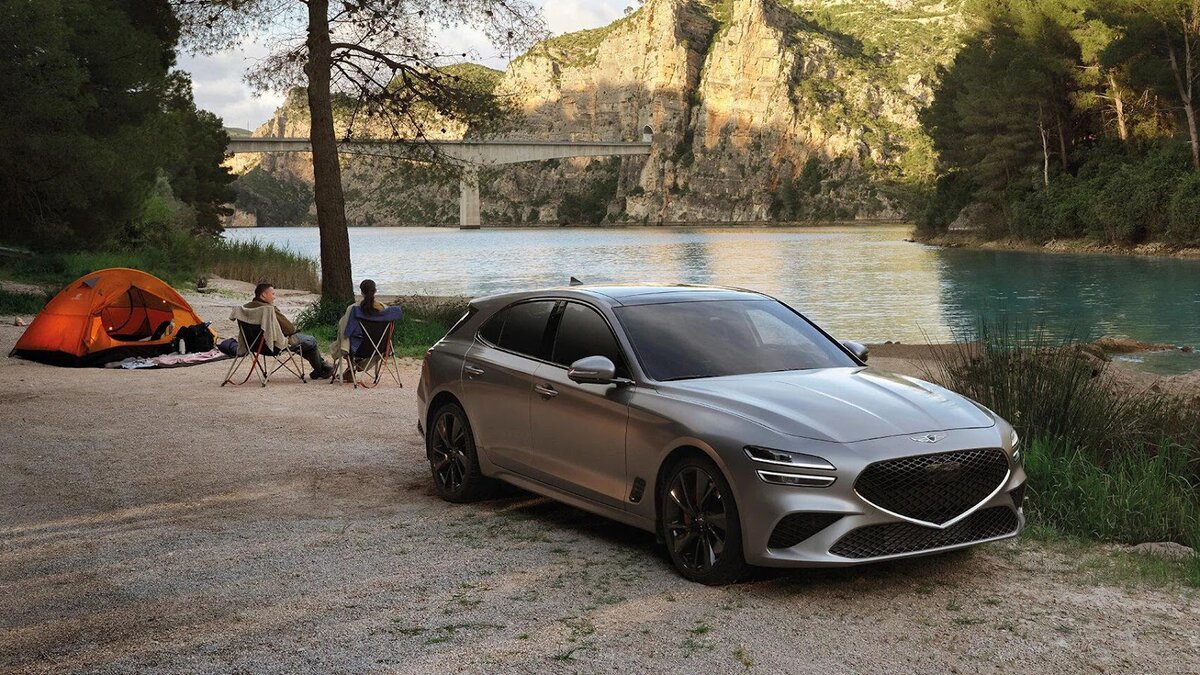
<point x="795" y="479"/>
<point x="798" y="460"/>
<point x="1015" y="444"/>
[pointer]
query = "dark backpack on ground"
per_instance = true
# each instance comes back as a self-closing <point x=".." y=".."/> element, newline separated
<point x="198" y="338"/>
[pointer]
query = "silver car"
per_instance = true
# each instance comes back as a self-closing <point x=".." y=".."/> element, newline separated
<point x="720" y="419"/>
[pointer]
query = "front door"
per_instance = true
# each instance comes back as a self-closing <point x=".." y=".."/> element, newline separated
<point x="578" y="430"/>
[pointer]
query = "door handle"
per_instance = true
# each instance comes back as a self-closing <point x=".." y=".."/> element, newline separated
<point x="472" y="371"/>
<point x="545" y="391"/>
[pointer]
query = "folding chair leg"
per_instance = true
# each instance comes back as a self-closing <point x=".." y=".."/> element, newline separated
<point x="237" y="361"/>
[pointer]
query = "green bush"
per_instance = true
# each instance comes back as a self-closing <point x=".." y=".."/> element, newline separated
<point x="1104" y="462"/>
<point x="1184" y="211"/>
<point x="425" y="321"/>
<point x="12" y="302"/>
<point x="275" y="199"/>
<point x="1134" y="498"/>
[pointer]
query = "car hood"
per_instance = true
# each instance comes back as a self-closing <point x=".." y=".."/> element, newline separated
<point x="842" y="405"/>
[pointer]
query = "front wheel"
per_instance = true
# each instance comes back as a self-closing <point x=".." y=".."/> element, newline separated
<point x="700" y="523"/>
<point x="450" y="446"/>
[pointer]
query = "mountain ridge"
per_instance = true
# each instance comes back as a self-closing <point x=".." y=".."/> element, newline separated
<point x="764" y="110"/>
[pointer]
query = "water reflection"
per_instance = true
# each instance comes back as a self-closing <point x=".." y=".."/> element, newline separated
<point x="860" y="282"/>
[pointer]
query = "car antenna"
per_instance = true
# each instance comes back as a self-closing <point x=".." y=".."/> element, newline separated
<point x="575" y="282"/>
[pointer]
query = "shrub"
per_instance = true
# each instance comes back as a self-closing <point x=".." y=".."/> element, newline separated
<point x="13" y="302"/>
<point x="1103" y="462"/>
<point x="426" y="320"/>
<point x="1184" y="211"/>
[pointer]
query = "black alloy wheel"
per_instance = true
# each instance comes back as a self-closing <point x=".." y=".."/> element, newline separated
<point x="700" y="523"/>
<point x="450" y="446"/>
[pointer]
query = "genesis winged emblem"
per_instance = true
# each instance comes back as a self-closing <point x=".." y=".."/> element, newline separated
<point x="928" y="438"/>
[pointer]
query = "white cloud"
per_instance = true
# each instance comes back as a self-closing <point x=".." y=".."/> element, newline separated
<point x="220" y="86"/>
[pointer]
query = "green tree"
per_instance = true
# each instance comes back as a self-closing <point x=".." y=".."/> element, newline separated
<point x="275" y="200"/>
<point x="1003" y="109"/>
<point x="81" y="92"/>
<point x="195" y="165"/>
<point x="1159" y="44"/>
<point x="383" y="54"/>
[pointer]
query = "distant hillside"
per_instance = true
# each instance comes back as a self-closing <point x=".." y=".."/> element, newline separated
<point x="765" y="110"/>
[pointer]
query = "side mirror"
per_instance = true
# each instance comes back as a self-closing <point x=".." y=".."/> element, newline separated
<point x="593" y="370"/>
<point x="858" y="349"/>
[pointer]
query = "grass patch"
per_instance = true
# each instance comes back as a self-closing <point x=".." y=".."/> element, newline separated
<point x="425" y="321"/>
<point x="1105" y="463"/>
<point x="13" y="302"/>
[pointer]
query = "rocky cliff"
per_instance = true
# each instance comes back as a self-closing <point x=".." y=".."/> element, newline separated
<point x="763" y="110"/>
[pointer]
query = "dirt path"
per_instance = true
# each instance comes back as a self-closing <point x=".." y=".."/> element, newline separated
<point x="153" y="520"/>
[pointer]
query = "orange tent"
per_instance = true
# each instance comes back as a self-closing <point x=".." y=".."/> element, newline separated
<point x="107" y="316"/>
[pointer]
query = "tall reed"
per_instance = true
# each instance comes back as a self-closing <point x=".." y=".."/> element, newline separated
<point x="1104" y="460"/>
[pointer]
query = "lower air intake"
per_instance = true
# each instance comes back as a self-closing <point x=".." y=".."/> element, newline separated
<point x="797" y="527"/>
<point x="874" y="541"/>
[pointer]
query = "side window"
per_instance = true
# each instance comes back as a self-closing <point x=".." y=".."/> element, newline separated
<point x="524" y="328"/>
<point x="582" y="332"/>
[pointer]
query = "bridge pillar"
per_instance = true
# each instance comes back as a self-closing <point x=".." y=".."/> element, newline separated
<point x="468" y="201"/>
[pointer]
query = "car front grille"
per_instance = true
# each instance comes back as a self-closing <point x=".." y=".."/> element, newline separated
<point x="933" y="488"/>
<point x="874" y="541"/>
<point x="796" y="527"/>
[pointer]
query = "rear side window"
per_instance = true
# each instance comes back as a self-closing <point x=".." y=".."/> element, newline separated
<point x="462" y="320"/>
<point x="520" y="328"/>
<point x="491" y="330"/>
<point x="583" y="332"/>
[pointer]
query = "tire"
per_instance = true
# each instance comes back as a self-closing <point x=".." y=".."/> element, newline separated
<point x="704" y="540"/>
<point x="453" y="462"/>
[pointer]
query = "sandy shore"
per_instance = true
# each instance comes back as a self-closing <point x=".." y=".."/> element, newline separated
<point x="154" y="520"/>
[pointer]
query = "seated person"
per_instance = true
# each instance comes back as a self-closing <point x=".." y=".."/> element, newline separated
<point x="264" y="294"/>
<point x="369" y="305"/>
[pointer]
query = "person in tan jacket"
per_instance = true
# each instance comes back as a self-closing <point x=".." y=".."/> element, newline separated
<point x="264" y="294"/>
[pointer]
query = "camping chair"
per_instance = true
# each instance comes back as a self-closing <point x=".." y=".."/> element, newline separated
<point x="370" y="337"/>
<point x="254" y="346"/>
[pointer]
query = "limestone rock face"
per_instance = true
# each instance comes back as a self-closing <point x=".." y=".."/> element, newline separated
<point x="762" y="110"/>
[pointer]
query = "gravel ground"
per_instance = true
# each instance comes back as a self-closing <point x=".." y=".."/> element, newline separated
<point x="153" y="520"/>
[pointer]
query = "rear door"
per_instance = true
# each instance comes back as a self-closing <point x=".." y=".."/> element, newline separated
<point x="578" y="430"/>
<point x="497" y="380"/>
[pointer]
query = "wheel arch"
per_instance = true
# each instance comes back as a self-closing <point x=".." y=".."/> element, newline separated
<point x="682" y="449"/>
<point x="440" y="399"/>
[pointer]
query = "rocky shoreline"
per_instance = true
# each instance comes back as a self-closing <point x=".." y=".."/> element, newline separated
<point x="977" y="241"/>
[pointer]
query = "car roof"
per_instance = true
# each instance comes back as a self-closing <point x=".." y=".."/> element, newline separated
<point x="630" y="294"/>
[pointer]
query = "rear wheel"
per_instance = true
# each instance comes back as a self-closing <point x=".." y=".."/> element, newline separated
<point x="700" y="523"/>
<point x="450" y="446"/>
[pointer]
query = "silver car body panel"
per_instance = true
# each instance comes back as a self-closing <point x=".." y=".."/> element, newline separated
<point x="588" y="444"/>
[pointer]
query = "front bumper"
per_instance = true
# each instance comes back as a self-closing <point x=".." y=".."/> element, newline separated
<point x="849" y="530"/>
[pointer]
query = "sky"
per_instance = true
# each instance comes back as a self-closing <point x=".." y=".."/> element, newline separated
<point x="219" y="80"/>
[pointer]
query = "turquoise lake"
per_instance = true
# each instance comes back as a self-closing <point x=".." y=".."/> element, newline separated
<point x="859" y="282"/>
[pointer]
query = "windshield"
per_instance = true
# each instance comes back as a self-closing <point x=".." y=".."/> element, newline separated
<point x="684" y="340"/>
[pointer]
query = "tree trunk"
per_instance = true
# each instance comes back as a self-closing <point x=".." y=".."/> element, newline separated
<point x="1062" y="141"/>
<point x="1119" y="106"/>
<point x="336" y="282"/>
<point x="1184" y="83"/>
<point x="1045" y="150"/>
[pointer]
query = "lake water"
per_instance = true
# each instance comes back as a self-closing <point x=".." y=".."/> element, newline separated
<point x="859" y="282"/>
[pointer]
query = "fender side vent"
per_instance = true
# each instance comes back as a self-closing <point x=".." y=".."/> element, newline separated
<point x="639" y="487"/>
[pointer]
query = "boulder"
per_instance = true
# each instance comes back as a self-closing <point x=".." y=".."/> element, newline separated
<point x="1168" y="550"/>
<point x="1119" y="345"/>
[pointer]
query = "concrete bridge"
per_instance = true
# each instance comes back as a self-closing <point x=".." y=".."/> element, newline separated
<point x="470" y="155"/>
